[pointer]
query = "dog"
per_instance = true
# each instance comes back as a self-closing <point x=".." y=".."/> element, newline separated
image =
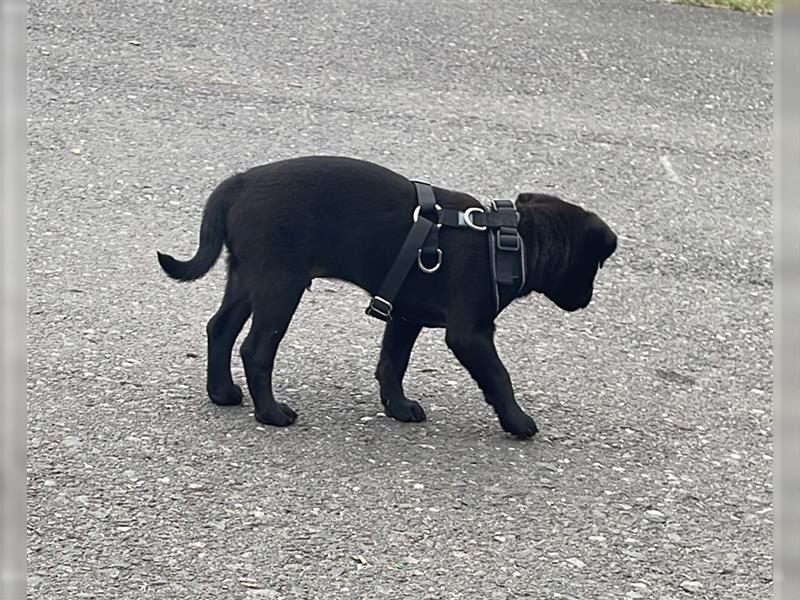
<point x="291" y="221"/>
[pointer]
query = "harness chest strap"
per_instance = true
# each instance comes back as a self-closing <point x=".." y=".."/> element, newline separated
<point x="507" y="254"/>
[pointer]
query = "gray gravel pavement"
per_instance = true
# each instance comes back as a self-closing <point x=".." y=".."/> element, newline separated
<point x="652" y="474"/>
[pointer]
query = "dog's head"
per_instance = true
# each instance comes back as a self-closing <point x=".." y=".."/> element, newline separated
<point x="566" y="245"/>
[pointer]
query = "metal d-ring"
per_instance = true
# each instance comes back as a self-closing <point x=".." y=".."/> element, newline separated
<point x="468" y="218"/>
<point x="433" y="269"/>
<point x="415" y="214"/>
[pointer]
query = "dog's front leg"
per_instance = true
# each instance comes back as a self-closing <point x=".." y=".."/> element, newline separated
<point x="474" y="348"/>
<point x="398" y="339"/>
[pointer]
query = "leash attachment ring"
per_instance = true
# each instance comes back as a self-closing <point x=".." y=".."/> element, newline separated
<point x="435" y="267"/>
<point x="468" y="218"/>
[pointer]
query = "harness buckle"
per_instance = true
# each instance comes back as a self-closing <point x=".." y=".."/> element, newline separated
<point x="380" y="309"/>
<point x="508" y="240"/>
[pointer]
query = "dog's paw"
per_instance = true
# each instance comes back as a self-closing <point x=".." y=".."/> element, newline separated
<point x="287" y="410"/>
<point x="407" y="411"/>
<point x="231" y="396"/>
<point x="281" y="416"/>
<point x="519" y="425"/>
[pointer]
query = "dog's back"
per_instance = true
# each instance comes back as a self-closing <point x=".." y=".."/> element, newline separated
<point x="319" y="213"/>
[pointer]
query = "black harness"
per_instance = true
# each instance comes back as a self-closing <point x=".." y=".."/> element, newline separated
<point x="498" y="218"/>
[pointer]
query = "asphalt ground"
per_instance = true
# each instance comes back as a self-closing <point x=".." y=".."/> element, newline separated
<point x="652" y="474"/>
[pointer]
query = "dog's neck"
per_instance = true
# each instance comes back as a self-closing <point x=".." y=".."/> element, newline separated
<point x="541" y="231"/>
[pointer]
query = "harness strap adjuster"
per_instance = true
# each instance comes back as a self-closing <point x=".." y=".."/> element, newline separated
<point x="380" y="308"/>
<point x="508" y="239"/>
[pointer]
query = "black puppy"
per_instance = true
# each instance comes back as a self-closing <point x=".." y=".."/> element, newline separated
<point x="288" y="222"/>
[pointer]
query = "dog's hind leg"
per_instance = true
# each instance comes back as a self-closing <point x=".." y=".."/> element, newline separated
<point x="223" y="329"/>
<point x="398" y="340"/>
<point x="274" y="303"/>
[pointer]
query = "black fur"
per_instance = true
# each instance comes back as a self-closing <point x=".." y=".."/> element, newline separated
<point x="291" y="221"/>
<point x="212" y="234"/>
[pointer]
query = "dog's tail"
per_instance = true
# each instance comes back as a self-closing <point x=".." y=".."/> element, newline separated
<point x="212" y="235"/>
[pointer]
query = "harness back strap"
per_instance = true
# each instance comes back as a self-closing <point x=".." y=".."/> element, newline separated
<point x="481" y="219"/>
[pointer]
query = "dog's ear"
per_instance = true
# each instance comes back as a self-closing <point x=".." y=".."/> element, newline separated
<point x="602" y="241"/>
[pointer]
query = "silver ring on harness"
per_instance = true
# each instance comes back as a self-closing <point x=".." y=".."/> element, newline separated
<point x="468" y="218"/>
<point x="415" y="215"/>
<point x="435" y="267"/>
